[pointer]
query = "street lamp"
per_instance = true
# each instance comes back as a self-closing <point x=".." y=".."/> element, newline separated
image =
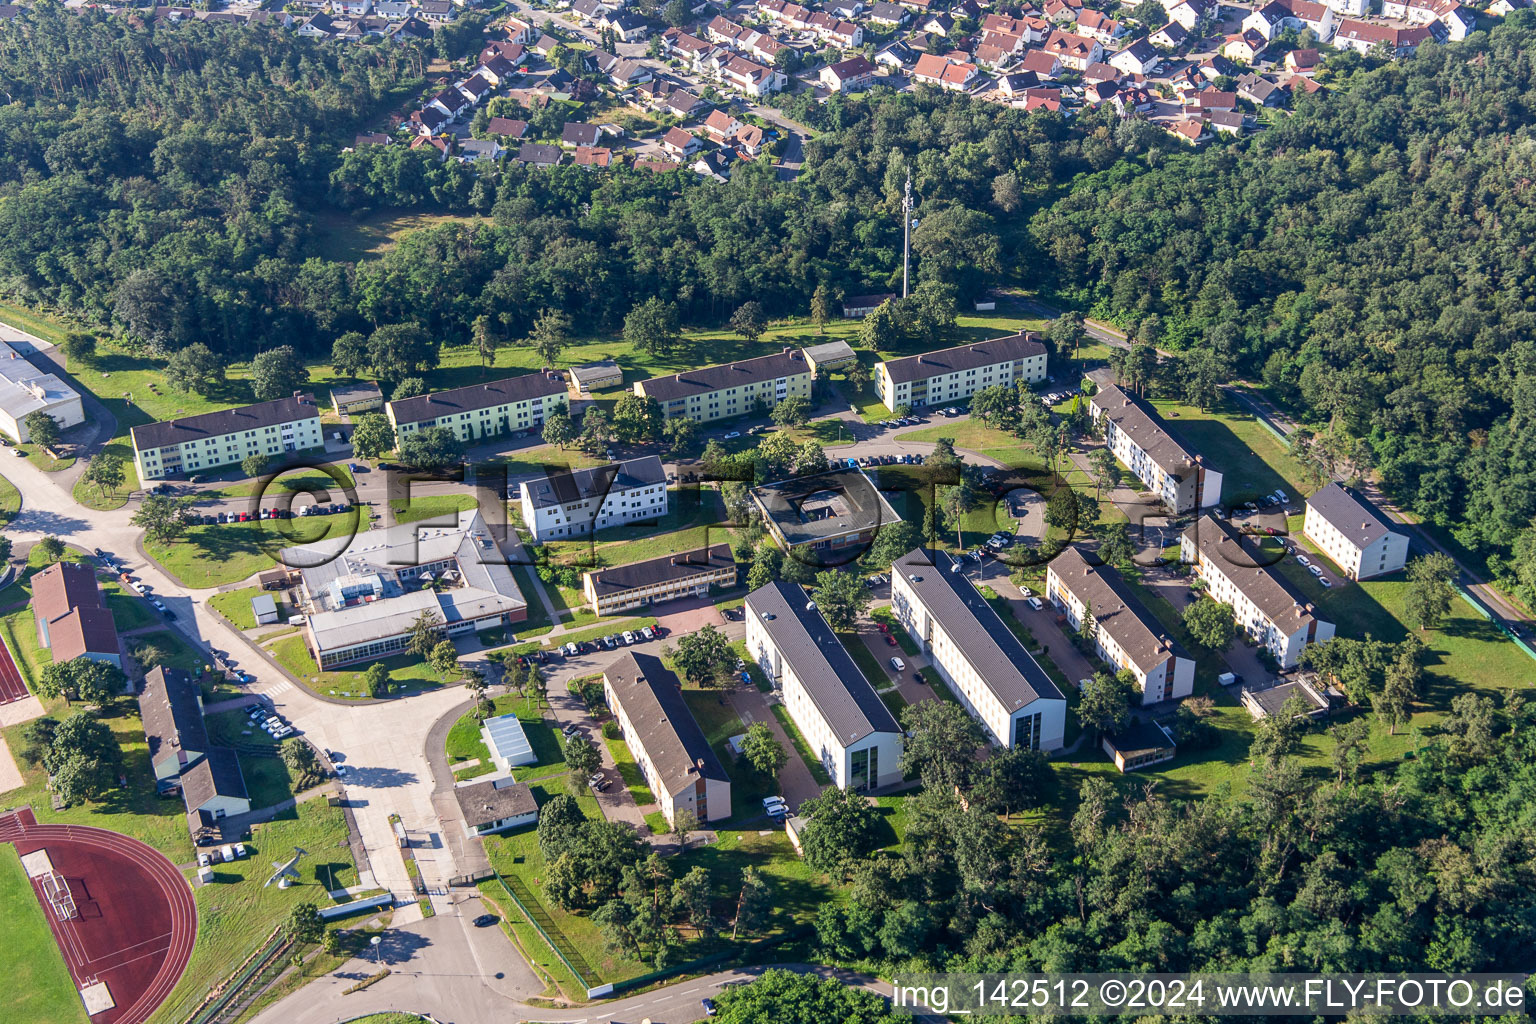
<point x="374" y="942"/>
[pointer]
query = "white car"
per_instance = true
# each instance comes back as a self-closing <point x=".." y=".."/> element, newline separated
<point x="1325" y="581"/>
<point x="629" y="638"/>
<point x="733" y="435"/>
<point x="239" y="850"/>
<point x="227" y="852"/>
<point x="286" y="730"/>
<point x="1026" y="592"/>
<point x="1315" y="570"/>
<point x="159" y="606"/>
<point x="1034" y="602"/>
<point x="898" y="665"/>
<point x="1303" y="560"/>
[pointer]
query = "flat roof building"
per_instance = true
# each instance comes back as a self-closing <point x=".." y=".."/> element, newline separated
<point x="1267" y="608"/>
<point x="495" y="805"/>
<point x="838" y="509"/>
<point x="1272" y="699"/>
<point x="1351" y="532"/>
<point x="364" y="600"/>
<point x="264" y="608"/>
<point x="999" y="682"/>
<point x="1125" y="633"/>
<point x="1170" y="469"/>
<point x="590" y="377"/>
<point x="834" y="355"/>
<point x="955" y="374"/>
<point x="482" y="410"/>
<point x="1140" y="744"/>
<point x="674" y="756"/>
<point x="668" y="577"/>
<point x="844" y="722"/>
<point x="356" y="398"/>
<point x="730" y="389"/>
<point x="71" y="617"/>
<point x="24" y="390"/>
<point x="577" y="503"/>
<point x="227" y="437"/>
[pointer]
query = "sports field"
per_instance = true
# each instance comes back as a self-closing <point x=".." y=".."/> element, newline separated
<point x="38" y="986"/>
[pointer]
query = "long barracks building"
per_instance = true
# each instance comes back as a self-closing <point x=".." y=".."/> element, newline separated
<point x="730" y="389"/>
<point x="481" y="410"/>
<point x="226" y="437"/>
<point x="955" y="374"/>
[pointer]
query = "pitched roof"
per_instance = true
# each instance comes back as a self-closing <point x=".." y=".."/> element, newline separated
<point x="217" y="774"/>
<point x="1137" y="419"/>
<point x="507" y="126"/>
<point x="1115" y="607"/>
<point x="965" y="357"/>
<point x="594" y="481"/>
<point x="475" y="397"/>
<point x="172" y="714"/>
<point x="834" y="683"/>
<point x="659" y="721"/>
<point x="678" y="138"/>
<point x="593" y="156"/>
<point x="1350" y="513"/>
<point x="788" y="363"/>
<point x="539" y="154"/>
<point x="575" y="134"/>
<point x="993" y="650"/>
<point x="83" y="631"/>
<point x="484" y="801"/>
<point x="61" y="588"/>
<point x="225" y="421"/>
<point x="1221" y="545"/>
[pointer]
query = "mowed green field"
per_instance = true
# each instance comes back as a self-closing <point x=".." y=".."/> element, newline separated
<point x="41" y="990"/>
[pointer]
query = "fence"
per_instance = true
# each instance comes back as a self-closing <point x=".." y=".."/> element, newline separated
<point x="215" y="1010"/>
<point x="547" y="929"/>
<point x="742" y="953"/>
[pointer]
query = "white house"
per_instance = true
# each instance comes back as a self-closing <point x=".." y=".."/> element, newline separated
<point x="25" y="390"/>
<point x="495" y="804"/>
<point x="1267" y="608"/>
<point x="578" y="503"/>
<point x="981" y="659"/>
<point x="1277" y="15"/>
<point x="671" y="750"/>
<point x="1125" y="633"/>
<point x="843" y="721"/>
<point x="955" y="374"/>
<point x="1352" y="533"/>
<point x="1169" y="469"/>
<point x="1139" y="58"/>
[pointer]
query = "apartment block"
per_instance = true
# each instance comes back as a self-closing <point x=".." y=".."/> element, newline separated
<point x="227" y="437"/>
<point x="1267" y="608"/>
<point x="578" y="503"/>
<point x="482" y="410"/>
<point x="843" y="721"/>
<point x="682" y="771"/>
<point x="730" y="389"/>
<point x="1352" y="533"/>
<point x="999" y="682"/>
<point x="1125" y="633"/>
<point x="954" y="374"/>
<point x="1167" y="467"/>
<point x="640" y="584"/>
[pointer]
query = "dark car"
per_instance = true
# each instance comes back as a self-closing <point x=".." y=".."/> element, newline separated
<point x="486" y="920"/>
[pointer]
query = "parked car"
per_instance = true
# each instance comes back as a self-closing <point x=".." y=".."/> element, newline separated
<point x="486" y="920"/>
<point x="1303" y="560"/>
<point x="571" y="729"/>
<point x="598" y="781"/>
<point x="898" y="665"/>
<point x="1034" y="602"/>
<point x="629" y="637"/>
<point x="1325" y="582"/>
<point x="732" y="435"/>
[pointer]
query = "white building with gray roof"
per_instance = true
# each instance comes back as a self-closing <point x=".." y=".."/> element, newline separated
<point x="1352" y="533"/>
<point x="578" y="503"/>
<point x="844" y="722"/>
<point x="998" y="681"/>
<point x="24" y="389"/>
<point x="1170" y="469"/>
<point x="364" y="600"/>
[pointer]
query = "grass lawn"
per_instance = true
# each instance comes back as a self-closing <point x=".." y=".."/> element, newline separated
<point x="692" y="516"/>
<point x="409" y="673"/>
<point x="178" y="652"/>
<point x="10" y="500"/>
<point x="235" y="913"/>
<point x="465" y="743"/>
<point x="415" y="509"/>
<point x="973" y="435"/>
<point x="93" y="497"/>
<point x="339" y="236"/>
<point x="267" y="778"/>
<point x="235" y="605"/>
<point x="129" y="610"/>
<point x="19" y="629"/>
<point x="214" y="556"/>
<point x="1252" y="460"/>
<point x="629" y="771"/>
<point x="135" y="811"/>
<point x="818" y="770"/>
<point x="42" y="992"/>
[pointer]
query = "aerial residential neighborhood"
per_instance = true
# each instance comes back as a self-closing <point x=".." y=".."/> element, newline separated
<point x="577" y="510"/>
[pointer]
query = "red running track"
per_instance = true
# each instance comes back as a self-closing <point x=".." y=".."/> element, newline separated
<point x="12" y="686"/>
<point x="137" y="920"/>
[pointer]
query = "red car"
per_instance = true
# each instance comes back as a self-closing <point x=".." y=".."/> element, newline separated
<point x="890" y="641"/>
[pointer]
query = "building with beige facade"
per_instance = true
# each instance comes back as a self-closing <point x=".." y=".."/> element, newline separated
<point x="1268" y="609"/>
<point x="1125" y="633"/>
<point x="673" y="754"/>
<point x="955" y="374"/>
<point x="621" y="588"/>
<point x="482" y="410"/>
<point x="195" y="444"/>
<point x="730" y="389"/>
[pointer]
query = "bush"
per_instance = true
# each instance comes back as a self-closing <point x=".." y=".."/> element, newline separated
<point x="611" y="730"/>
